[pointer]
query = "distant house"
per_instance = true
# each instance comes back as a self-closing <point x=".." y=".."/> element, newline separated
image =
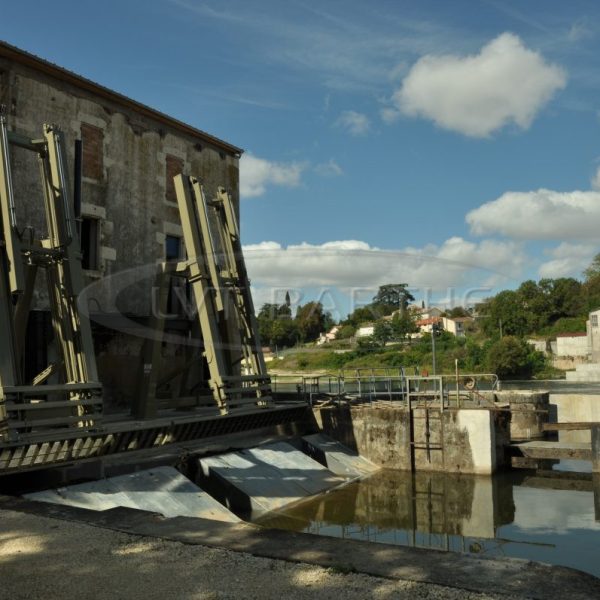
<point x="365" y="330"/>
<point x="456" y="325"/>
<point x="425" y="325"/>
<point x="427" y="313"/>
<point x="325" y="338"/>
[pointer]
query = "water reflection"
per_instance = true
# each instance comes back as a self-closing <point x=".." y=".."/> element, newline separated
<point x="552" y="519"/>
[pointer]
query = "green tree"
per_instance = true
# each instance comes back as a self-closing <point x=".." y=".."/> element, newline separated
<point x="591" y="285"/>
<point x="284" y="333"/>
<point x="382" y="332"/>
<point x="310" y="320"/>
<point x="505" y="312"/>
<point x="403" y="324"/>
<point x="593" y="270"/>
<point x="345" y="332"/>
<point x="457" y="311"/>
<point x="513" y="357"/>
<point x="360" y="315"/>
<point x="395" y="295"/>
<point x="274" y="325"/>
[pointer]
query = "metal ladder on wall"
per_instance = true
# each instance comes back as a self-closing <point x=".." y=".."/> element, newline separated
<point x="226" y="325"/>
<point x="29" y="407"/>
<point x="428" y="422"/>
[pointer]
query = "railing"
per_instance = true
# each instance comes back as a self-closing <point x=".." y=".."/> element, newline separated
<point x="392" y="385"/>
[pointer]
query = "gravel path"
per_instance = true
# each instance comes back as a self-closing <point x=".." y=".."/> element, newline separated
<point x="48" y="558"/>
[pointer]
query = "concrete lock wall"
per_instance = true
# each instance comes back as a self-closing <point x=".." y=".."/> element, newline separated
<point x="529" y="411"/>
<point x="575" y="408"/>
<point x="462" y="441"/>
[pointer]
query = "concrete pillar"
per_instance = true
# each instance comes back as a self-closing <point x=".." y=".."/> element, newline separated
<point x="596" y="481"/>
<point x="596" y="448"/>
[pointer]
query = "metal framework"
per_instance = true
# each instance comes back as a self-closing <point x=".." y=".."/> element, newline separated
<point x="225" y="331"/>
<point x="74" y="398"/>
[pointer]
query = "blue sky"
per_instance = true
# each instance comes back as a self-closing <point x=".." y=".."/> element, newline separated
<point x="444" y="144"/>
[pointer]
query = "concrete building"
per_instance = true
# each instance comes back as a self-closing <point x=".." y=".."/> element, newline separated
<point x="589" y="371"/>
<point x="456" y="326"/>
<point x="593" y="335"/>
<point x="425" y="325"/>
<point x="572" y="345"/>
<point x="329" y="336"/>
<point x="426" y="313"/>
<point x="129" y="213"/>
<point x="366" y="330"/>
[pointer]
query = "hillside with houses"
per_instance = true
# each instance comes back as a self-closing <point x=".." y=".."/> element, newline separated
<point x="544" y="329"/>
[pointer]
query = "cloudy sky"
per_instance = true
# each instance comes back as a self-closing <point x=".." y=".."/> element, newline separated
<point x="454" y="146"/>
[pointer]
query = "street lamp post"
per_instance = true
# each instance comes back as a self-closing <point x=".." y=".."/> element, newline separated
<point x="433" y="333"/>
<point x="436" y="329"/>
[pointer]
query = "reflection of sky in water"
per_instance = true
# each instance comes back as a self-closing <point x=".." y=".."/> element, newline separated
<point x="579" y="466"/>
<point x="564" y="519"/>
<point x="549" y="525"/>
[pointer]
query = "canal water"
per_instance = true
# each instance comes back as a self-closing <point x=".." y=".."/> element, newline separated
<point x="553" y="519"/>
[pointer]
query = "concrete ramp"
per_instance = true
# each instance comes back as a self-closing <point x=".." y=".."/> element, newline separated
<point x="162" y="490"/>
<point x="336" y="457"/>
<point x="265" y="478"/>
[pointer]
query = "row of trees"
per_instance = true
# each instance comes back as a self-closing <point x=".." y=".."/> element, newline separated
<point x="277" y="327"/>
<point x="544" y="307"/>
<point x="392" y="298"/>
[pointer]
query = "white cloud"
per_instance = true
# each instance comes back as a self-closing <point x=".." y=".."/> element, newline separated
<point x="258" y="173"/>
<point x="542" y="214"/>
<point x="389" y="115"/>
<point x="354" y="122"/>
<point x="329" y="169"/>
<point x="353" y="263"/>
<point x="596" y="180"/>
<point x="568" y="260"/>
<point x="478" y="94"/>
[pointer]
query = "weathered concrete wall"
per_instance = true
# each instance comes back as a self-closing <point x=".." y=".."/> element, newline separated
<point x="469" y="444"/>
<point x="567" y="363"/>
<point x="460" y="441"/>
<point x="382" y="435"/>
<point x="572" y="346"/>
<point x="576" y="408"/>
<point x="529" y="411"/>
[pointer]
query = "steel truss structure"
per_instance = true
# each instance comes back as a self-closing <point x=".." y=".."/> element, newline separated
<point x="56" y="416"/>
<point x="225" y="337"/>
<point x="28" y="407"/>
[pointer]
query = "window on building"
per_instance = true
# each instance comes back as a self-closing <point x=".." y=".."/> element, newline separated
<point x="174" y="166"/>
<point x="177" y="291"/>
<point x="92" y="140"/>
<point x="90" y="243"/>
<point x="594" y="320"/>
<point x="172" y="247"/>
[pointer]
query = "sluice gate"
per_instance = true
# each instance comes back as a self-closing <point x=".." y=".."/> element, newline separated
<point x="59" y="414"/>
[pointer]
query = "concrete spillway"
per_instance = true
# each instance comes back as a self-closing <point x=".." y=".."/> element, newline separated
<point x="264" y="478"/>
<point x="336" y="457"/>
<point x="254" y="480"/>
<point x="162" y="490"/>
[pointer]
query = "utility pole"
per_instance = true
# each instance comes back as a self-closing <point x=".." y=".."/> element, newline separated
<point x="433" y="334"/>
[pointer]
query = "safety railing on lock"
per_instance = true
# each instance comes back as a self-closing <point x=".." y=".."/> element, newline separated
<point x="386" y="384"/>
